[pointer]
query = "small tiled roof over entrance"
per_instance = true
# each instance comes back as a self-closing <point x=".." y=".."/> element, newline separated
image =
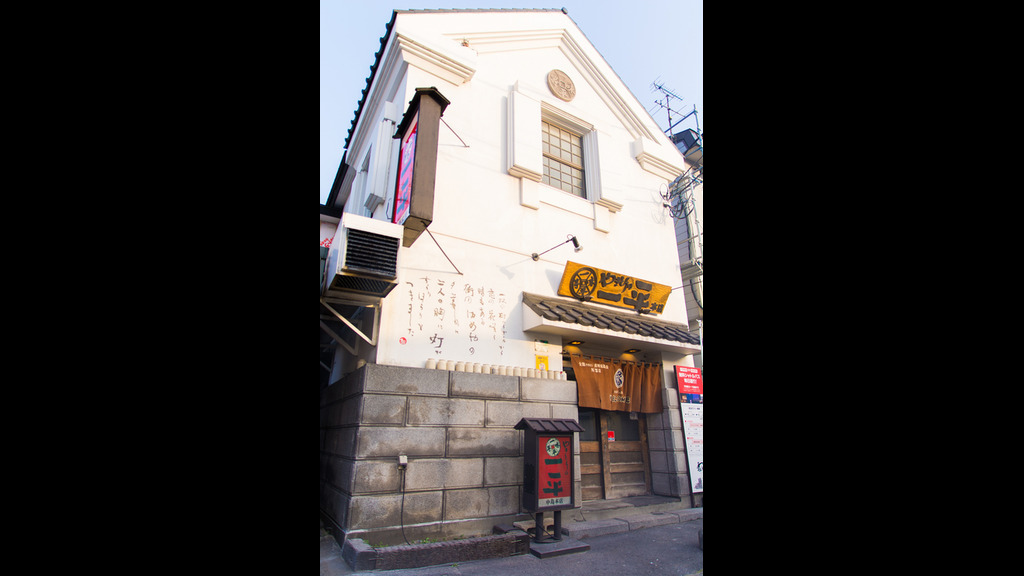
<point x="549" y="425"/>
<point x="558" y="310"/>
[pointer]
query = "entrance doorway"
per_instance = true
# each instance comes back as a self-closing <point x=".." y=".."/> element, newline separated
<point x="614" y="460"/>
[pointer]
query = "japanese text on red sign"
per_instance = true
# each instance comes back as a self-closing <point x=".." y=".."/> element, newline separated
<point x="555" y="476"/>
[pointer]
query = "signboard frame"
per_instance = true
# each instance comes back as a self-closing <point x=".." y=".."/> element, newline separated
<point x="693" y="431"/>
<point x="419" y="131"/>
<point x="554" y="472"/>
<point x="691" y="408"/>
<point x="592" y="284"/>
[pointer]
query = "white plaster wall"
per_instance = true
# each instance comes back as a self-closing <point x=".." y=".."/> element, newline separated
<point x="478" y="217"/>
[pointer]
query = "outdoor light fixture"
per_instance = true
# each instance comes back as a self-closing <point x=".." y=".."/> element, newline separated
<point x="574" y="343"/>
<point x="632" y="351"/>
<point x="571" y="238"/>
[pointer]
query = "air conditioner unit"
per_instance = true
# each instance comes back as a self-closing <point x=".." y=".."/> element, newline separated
<point x="363" y="263"/>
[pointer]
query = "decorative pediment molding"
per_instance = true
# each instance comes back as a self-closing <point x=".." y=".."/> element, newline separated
<point x="651" y="158"/>
<point x="610" y="204"/>
<point x="589" y="70"/>
<point x="457" y="68"/>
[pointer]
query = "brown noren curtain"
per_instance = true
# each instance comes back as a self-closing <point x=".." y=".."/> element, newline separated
<point x="610" y="384"/>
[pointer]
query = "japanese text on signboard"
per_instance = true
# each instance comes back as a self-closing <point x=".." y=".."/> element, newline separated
<point x="604" y="287"/>
<point x="693" y="429"/>
<point x="616" y="385"/>
<point x="555" y="480"/>
<point x="691" y="385"/>
<point x="691" y="404"/>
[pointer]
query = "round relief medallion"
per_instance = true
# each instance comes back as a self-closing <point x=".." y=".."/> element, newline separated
<point x="561" y="85"/>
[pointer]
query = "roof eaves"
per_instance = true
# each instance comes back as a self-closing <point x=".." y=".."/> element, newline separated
<point x="387" y="35"/>
<point x="576" y="313"/>
<point x="549" y="425"/>
<point x="373" y="73"/>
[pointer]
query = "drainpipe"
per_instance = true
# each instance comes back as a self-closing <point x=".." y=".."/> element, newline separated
<point x="701" y="324"/>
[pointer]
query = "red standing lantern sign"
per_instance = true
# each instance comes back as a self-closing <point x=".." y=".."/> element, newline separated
<point x="555" y="471"/>
<point x="548" y="469"/>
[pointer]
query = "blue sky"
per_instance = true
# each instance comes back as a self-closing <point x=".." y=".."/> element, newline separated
<point x="642" y="40"/>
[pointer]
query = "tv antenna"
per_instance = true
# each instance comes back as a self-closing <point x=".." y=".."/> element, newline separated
<point x="680" y="199"/>
<point x="667" y="106"/>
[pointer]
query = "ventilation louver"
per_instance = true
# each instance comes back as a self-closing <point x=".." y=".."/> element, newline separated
<point x="364" y="259"/>
<point x="371" y="253"/>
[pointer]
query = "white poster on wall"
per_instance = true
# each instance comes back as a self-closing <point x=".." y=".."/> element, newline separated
<point x="693" y="430"/>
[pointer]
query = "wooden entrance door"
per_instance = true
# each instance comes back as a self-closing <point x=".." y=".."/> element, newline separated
<point x="613" y="468"/>
<point x="591" y="469"/>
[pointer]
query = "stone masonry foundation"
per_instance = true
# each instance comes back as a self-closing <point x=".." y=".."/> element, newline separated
<point x="465" y="459"/>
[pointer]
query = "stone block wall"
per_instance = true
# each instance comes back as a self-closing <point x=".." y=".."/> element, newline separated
<point x="465" y="470"/>
<point x="670" y="475"/>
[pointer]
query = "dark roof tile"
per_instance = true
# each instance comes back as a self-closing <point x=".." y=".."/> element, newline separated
<point x="585" y="315"/>
<point x="549" y="425"/>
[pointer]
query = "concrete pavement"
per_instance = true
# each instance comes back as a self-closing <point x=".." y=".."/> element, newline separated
<point x="647" y="546"/>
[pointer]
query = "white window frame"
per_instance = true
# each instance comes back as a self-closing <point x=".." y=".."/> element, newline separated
<point x="554" y="159"/>
<point x="527" y="108"/>
<point x="588" y="137"/>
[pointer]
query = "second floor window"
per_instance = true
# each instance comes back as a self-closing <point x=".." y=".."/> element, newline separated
<point x="563" y="159"/>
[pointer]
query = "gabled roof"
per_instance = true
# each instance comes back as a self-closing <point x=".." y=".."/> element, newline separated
<point x="571" y="41"/>
<point x="369" y="79"/>
<point x="387" y="35"/>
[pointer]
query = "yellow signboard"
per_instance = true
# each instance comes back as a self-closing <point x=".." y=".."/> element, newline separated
<point x="603" y="287"/>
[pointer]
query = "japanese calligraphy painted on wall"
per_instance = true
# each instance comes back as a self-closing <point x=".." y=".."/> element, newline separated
<point x="455" y="317"/>
<point x="588" y="283"/>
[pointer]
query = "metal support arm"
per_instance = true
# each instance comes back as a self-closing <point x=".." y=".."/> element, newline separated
<point x="372" y="341"/>
<point x="337" y="338"/>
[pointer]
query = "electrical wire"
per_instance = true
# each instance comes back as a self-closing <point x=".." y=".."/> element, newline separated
<point x="693" y="290"/>
<point x="401" y="513"/>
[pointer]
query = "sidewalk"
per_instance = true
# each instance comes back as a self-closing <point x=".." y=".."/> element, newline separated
<point x="643" y="544"/>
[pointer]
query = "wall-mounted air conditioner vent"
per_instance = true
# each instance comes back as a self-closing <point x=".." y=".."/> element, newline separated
<point x="363" y="259"/>
<point x="372" y="253"/>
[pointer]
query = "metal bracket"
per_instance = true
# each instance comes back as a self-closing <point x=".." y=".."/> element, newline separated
<point x="376" y="325"/>
<point x="337" y="338"/>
